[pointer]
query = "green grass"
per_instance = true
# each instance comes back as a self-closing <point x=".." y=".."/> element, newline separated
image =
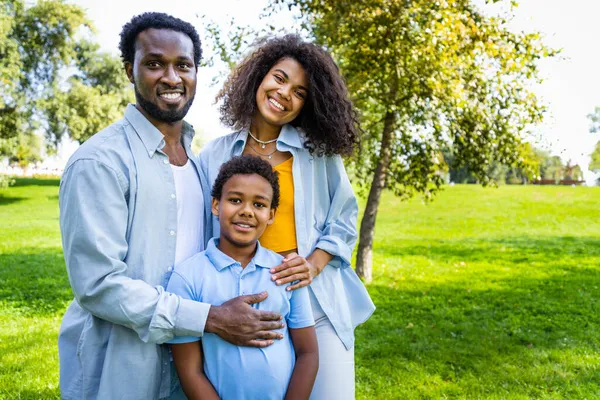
<point x="484" y="293"/>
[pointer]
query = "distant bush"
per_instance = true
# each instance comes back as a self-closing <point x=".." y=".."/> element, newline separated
<point x="6" y="181"/>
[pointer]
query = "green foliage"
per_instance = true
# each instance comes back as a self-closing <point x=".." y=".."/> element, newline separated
<point x="595" y="159"/>
<point x="594" y="118"/>
<point x="39" y="43"/>
<point x="448" y="74"/>
<point x="483" y="294"/>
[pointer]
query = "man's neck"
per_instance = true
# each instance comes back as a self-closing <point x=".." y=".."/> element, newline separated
<point x="170" y="130"/>
<point x="241" y="254"/>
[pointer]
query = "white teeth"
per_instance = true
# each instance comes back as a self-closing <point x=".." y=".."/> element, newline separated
<point x="276" y="104"/>
<point x="171" y="96"/>
<point x="243" y="225"/>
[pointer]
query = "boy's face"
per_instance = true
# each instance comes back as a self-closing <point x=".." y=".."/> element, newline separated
<point x="244" y="209"/>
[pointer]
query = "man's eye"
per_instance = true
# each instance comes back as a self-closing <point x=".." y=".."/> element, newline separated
<point x="185" y="66"/>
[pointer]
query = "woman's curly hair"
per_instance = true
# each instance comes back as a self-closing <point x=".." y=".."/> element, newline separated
<point x="328" y="118"/>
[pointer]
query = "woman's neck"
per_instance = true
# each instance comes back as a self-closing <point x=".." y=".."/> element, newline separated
<point x="264" y="131"/>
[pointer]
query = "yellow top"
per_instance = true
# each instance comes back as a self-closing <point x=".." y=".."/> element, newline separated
<point x="281" y="235"/>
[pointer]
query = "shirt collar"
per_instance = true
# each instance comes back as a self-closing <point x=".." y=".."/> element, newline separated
<point x="289" y="136"/>
<point x="151" y="137"/>
<point x="221" y="260"/>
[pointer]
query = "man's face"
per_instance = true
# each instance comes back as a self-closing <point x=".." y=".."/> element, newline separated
<point x="163" y="74"/>
<point x="244" y="209"/>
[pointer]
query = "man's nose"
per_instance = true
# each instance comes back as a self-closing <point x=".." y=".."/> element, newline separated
<point x="171" y="77"/>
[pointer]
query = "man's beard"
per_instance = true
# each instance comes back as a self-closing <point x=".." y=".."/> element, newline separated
<point x="159" y="114"/>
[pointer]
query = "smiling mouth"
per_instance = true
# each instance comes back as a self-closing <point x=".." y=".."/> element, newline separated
<point x="243" y="226"/>
<point x="171" y="96"/>
<point x="277" y="105"/>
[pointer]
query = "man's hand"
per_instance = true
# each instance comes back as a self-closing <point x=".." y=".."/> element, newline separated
<point x="238" y="323"/>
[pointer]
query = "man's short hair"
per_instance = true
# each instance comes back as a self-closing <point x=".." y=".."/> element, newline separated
<point x="155" y="20"/>
<point x="246" y="165"/>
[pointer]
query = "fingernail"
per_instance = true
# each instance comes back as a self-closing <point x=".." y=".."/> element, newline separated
<point x="279" y="282"/>
<point x="274" y="277"/>
<point x="272" y="270"/>
<point x="288" y="288"/>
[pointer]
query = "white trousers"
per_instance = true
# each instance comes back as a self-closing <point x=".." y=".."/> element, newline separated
<point x="335" y="379"/>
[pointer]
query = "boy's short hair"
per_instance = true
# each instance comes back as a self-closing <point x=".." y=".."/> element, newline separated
<point x="246" y="165"/>
<point x="155" y="20"/>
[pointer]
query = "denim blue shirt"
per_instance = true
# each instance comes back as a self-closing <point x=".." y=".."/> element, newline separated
<point x="118" y="219"/>
<point x="325" y="211"/>
<point x="239" y="373"/>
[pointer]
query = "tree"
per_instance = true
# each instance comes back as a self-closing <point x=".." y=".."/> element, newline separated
<point x="427" y="76"/>
<point x="39" y="43"/>
<point x="595" y="159"/>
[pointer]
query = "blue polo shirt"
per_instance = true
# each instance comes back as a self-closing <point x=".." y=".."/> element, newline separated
<point x="243" y="372"/>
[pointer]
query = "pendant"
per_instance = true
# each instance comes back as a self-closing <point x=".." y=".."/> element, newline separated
<point x="269" y="156"/>
<point x="263" y="145"/>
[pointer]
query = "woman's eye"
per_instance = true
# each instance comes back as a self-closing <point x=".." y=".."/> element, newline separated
<point x="278" y="78"/>
<point x="301" y="95"/>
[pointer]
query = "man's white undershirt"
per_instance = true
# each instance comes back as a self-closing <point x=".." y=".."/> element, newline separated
<point x="190" y="211"/>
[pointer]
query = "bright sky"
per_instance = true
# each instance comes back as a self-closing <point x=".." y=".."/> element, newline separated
<point x="571" y="88"/>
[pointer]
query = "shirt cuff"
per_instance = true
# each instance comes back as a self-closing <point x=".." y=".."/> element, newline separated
<point x="191" y="318"/>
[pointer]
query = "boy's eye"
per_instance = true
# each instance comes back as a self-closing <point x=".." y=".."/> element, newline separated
<point x="235" y="201"/>
<point x="259" y="205"/>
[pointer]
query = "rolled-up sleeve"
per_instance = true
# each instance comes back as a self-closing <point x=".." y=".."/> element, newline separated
<point x="339" y="233"/>
<point x="93" y="221"/>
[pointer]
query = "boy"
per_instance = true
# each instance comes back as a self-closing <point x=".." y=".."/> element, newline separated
<point x="245" y="197"/>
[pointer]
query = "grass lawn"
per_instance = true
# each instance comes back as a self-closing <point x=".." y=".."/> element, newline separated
<point x="484" y="293"/>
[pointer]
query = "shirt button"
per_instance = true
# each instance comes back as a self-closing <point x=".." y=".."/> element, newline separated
<point x="170" y="269"/>
<point x="165" y="161"/>
<point x="172" y="233"/>
<point x="150" y="153"/>
<point x="172" y="195"/>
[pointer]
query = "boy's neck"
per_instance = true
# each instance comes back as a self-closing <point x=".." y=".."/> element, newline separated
<point x="241" y="254"/>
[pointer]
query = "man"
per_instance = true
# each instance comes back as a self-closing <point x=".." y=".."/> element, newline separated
<point x="131" y="202"/>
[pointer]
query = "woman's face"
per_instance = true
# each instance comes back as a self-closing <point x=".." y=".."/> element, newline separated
<point x="282" y="92"/>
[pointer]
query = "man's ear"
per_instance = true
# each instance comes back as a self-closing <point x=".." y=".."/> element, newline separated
<point x="129" y="71"/>
<point x="215" y="207"/>
<point x="272" y="216"/>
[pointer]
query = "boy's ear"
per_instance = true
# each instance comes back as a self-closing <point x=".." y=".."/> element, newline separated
<point x="215" y="207"/>
<point x="271" y="216"/>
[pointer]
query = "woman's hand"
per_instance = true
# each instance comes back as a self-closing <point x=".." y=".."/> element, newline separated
<point x="297" y="268"/>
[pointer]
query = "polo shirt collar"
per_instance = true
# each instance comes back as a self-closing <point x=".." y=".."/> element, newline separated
<point x="150" y="136"/>
<point x="221" y="260"/>
<point x="289" y="136"/>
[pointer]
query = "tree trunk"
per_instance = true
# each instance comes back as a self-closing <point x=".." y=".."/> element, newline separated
<point x="364" y="259"/>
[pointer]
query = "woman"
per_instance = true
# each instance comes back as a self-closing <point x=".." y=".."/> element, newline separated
<point x="290" y="106"/>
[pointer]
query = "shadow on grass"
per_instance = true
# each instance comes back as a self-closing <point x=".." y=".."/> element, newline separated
<point x="37" y="182"/>
<point x="34" y="281"/>
<point x="9" y="200"/>
<point x="521" y="336"/>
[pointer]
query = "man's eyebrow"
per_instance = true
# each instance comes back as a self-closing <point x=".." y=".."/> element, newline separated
<point x="160" y="55"/>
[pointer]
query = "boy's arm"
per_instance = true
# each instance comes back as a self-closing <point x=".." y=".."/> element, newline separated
<point x="307" y="363"/>
<point x="188" y="362"/>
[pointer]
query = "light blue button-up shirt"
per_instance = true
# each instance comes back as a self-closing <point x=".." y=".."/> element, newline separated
<point x="325" y="211"/>
<point x="239" y="373"/>
<point x="118" y="218"/>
